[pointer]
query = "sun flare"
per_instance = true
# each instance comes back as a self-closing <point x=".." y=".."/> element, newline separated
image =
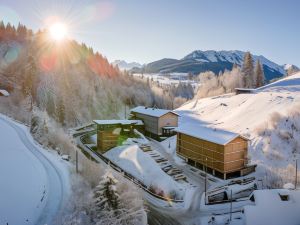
<point x="58" y="31"/>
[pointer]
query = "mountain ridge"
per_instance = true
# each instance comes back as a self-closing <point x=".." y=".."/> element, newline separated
<point x="210" y="60"/>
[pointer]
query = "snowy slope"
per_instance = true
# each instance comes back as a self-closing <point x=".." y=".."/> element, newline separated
<point x="246" y="113"/>
<point x="33" y="182"/>
<point x="141" y="165"/>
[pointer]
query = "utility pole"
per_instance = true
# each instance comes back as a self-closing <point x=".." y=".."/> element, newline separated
<point x="76" y="161"/>
<point x="205" y="186"/>
<point x="125" y="112"/>
<point x="296" y="177"/>
<point x="231" y="205"/>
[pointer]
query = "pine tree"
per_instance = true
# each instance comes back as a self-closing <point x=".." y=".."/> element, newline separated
<point x="259" y="74"/>
<point x="2" y="31"/>
<point x="248" y="70"/>
<point x="106" y="198"/>
<point x="29" y="83"/>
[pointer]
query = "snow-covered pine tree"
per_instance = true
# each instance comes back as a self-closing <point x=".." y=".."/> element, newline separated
<point x="106" y="200"/>
<point x="259" y="74"/>
<point x="248" y="71"/>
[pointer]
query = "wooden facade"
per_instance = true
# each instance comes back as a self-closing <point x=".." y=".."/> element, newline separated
<point x="156" y="122"/>
<point x="223" y="161"/>
<point x="109" y="132"/>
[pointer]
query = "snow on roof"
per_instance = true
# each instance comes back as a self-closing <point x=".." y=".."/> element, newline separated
<point x="210" y="134"/>
<point x="4" y="93"/>
<point x="123" y="122"/>
<point x="152" y="111"/>
<point x="269" y="208"/>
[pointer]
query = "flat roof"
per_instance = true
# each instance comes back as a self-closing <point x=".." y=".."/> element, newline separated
<point x="210" y="134"/>
<point x="114" y="122"/>
<point x="152" y="111"/>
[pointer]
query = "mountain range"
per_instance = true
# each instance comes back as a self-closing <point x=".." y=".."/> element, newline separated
<point x="216" y="61"/>
<point x="123" y="65"/>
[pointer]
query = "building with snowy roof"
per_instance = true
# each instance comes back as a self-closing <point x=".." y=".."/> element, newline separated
<point x="110" y="133"/>
<point x="158" y="122"/>
<point x="219" y="152"/>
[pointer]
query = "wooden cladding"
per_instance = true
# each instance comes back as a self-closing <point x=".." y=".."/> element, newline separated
<point x="106" y="140"/>
<point x="223" y="158"/>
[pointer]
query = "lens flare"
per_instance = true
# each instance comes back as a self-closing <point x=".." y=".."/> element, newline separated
<point x="58" y="31"/>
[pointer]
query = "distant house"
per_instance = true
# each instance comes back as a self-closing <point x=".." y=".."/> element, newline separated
<point x="158" y="122"/>
<point x="219" y="152"/>
<point x="244" y="91"/>
<point x="110" y="132"/>
<point x="4" y="93"/>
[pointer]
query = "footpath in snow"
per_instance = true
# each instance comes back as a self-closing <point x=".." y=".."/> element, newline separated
<point x="33" y="182"/>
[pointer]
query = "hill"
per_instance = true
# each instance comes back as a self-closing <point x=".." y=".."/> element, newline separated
<point x="215" y="61"/>
<point x="269" y="117"/>
<point x="67" y="80"/>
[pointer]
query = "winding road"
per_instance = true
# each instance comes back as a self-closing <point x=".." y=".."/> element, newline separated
<point x="30" y="174"/>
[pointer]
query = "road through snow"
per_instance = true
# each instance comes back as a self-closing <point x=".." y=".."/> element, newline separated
<point x="33" y="182"/>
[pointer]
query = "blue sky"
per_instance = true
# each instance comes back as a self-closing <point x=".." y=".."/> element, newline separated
<point x="143" y="30"/>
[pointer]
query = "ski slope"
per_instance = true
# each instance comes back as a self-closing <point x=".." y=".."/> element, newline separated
<point x="247" y="113"/>
<point x="33" y="182"/>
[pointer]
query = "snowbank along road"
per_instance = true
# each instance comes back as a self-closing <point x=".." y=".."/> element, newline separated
<point x="33" y="182"/>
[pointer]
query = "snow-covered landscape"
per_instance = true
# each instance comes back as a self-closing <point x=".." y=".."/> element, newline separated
<point x="149" y="112"/>
<point x="36" y="184"/>
<point x="251" y="115"/>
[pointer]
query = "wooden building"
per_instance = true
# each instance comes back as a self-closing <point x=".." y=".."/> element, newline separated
<point x="111" y="132"/>
<point x="158" y="122"/>
<point x="221" y="153"/>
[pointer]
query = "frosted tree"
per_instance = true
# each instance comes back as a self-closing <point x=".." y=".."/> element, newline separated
<point x="106" y="200"/>
<point x="259" y="74"/>
<point x="248" y="70"/>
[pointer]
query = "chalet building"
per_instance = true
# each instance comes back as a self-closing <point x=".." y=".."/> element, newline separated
<point x="221" y="153"/>
<point x="158" y="122"/>
<point x="110" y="132"/>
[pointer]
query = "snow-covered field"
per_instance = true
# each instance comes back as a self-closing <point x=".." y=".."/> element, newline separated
<point x="142" y="166"/>
<point x="33" y="182"/>
<point x="172" y="79"/>
<point x="247" y="113"/>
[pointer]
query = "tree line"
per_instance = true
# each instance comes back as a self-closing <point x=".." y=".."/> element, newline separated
<point x="246" y="76"/>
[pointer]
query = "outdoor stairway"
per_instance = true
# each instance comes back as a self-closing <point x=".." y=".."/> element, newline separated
<point x="145" y="148"/>
<point x="169" y="169"/>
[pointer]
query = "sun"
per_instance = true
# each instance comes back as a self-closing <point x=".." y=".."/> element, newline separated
<point x="58" y="31"/>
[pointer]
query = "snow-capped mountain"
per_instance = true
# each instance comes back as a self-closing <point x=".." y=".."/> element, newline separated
<point x="290" y="68"/>
<point x="216" y="61"/>
<point x="123" y="65"/>
<point x="232" y="57"/>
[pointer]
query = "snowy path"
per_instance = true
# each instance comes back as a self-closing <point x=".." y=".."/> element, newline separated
<point x="34" y="184"/>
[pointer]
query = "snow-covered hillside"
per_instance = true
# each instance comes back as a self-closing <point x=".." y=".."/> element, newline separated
<point x="248" y="114"/>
